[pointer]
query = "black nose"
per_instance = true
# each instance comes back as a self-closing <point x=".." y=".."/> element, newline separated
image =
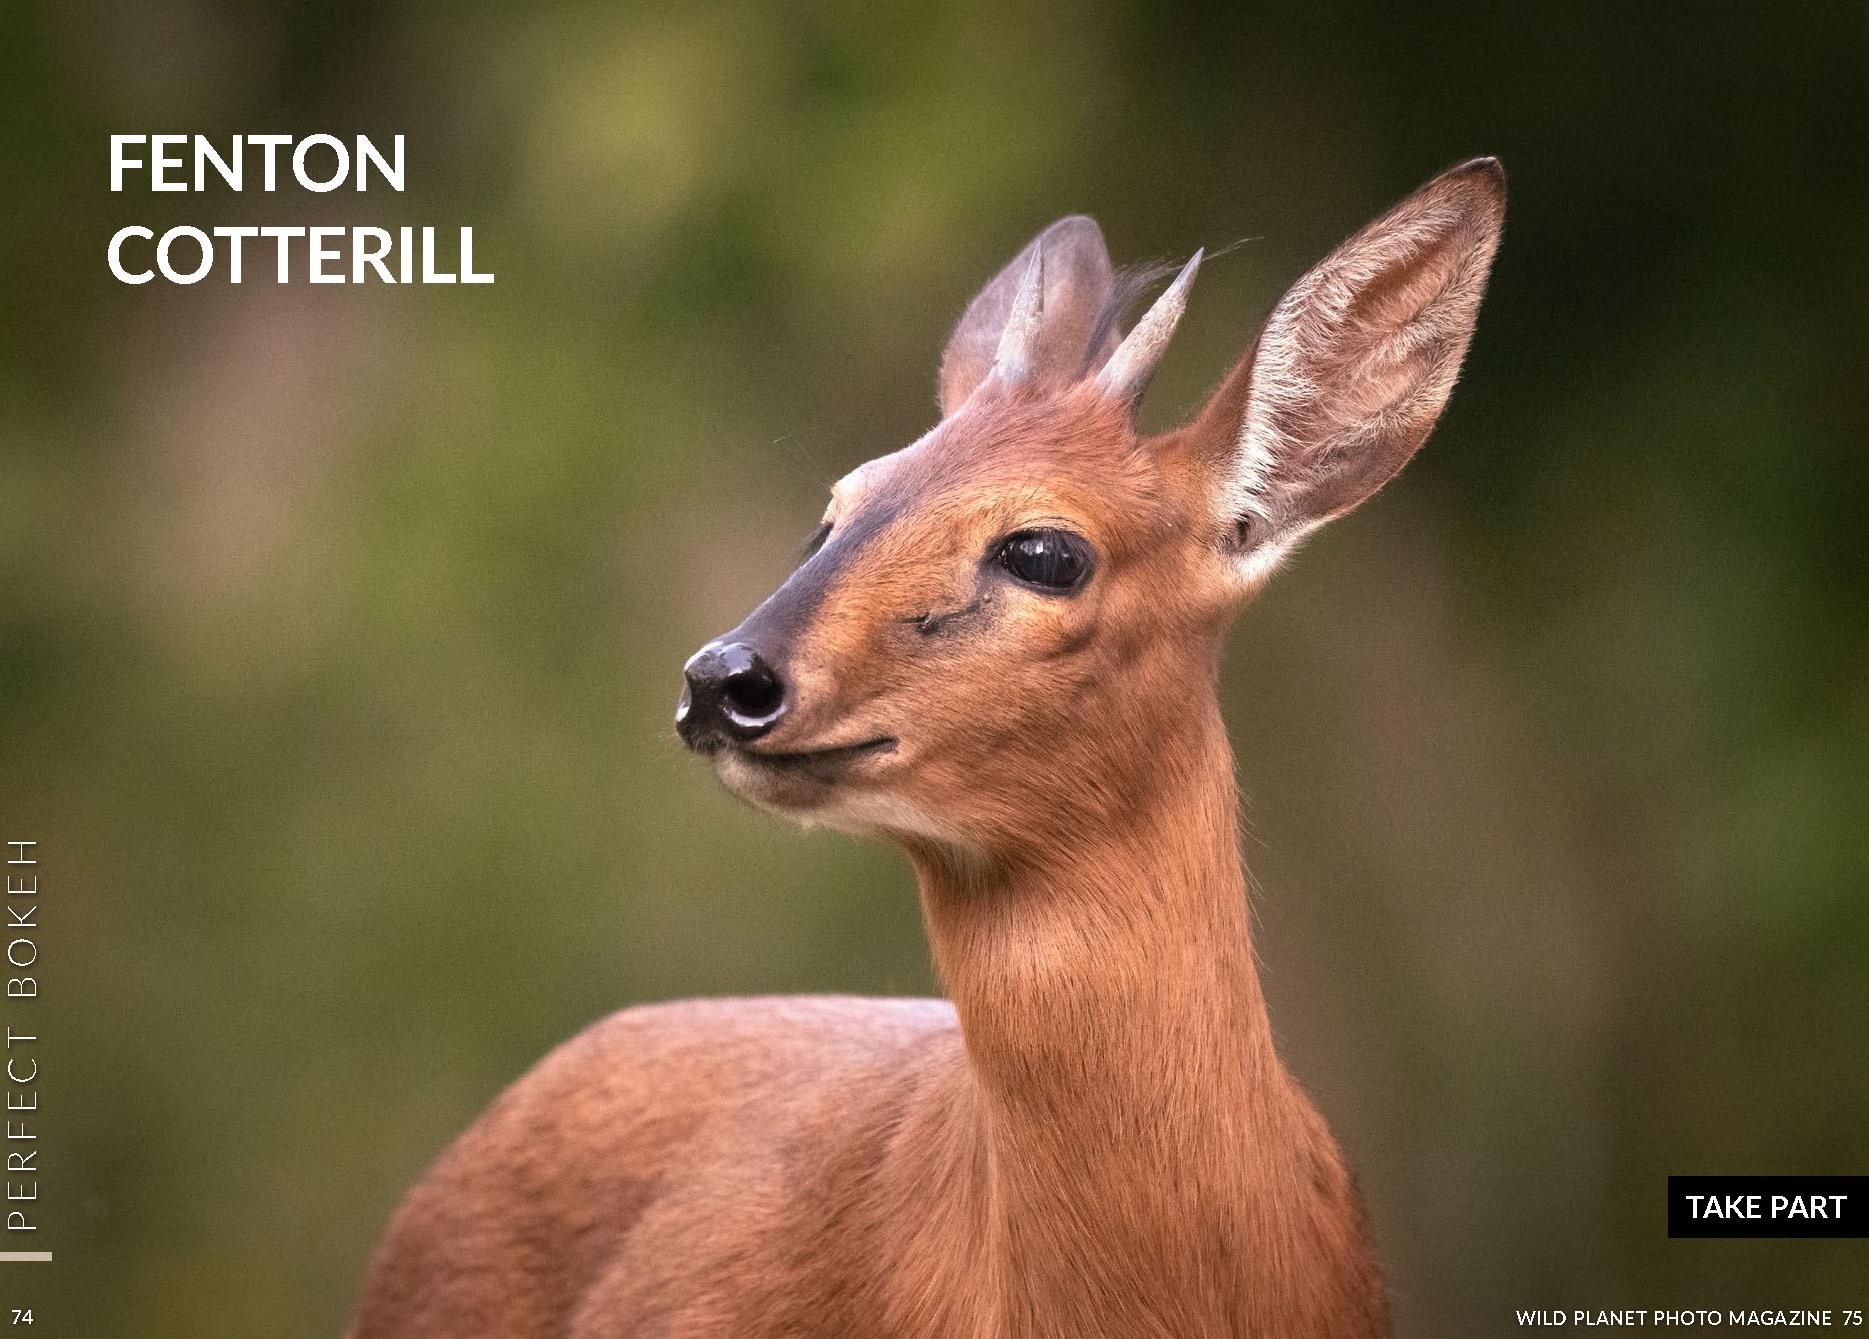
<point x="731" y="690"/>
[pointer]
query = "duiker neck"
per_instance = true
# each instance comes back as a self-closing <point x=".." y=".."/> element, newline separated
<point x="1113" y="945"/>
<point x="1135" y="1126"/>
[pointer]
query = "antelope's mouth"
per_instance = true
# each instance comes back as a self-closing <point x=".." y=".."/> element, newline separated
<point x="798" y="781"/>
<point x="823" y="761"/>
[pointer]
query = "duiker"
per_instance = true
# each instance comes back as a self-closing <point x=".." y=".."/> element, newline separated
<point x="1000" y="654"/>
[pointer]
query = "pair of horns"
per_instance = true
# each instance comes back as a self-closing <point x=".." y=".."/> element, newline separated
<point x="1126" y="375"/>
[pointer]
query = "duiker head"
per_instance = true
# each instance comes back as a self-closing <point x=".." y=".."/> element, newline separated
<point x="999" y="625"/>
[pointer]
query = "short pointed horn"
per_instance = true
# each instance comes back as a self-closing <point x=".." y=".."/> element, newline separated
<point x="1018" y="343"/>
<point x="1127" y="373"/>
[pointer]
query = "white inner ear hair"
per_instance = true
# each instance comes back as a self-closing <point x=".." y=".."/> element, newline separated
<point x="1281" y="391"/>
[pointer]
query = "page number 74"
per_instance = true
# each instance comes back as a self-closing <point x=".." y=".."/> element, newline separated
<point x="22" y="1317"/>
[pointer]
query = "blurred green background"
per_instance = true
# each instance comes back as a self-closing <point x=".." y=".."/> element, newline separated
<point x="340" y="628"/>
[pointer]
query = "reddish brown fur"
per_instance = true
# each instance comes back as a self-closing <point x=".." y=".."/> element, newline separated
<point x="1097" y="1138"/>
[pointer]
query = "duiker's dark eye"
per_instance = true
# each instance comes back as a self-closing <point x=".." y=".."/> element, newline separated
<point x="816" y="541"/>
<point x="1050" y="559"/>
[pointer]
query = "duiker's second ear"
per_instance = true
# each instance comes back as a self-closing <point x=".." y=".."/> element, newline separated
<point x="1354" y="364"/>
<point x="1078" y="284"/>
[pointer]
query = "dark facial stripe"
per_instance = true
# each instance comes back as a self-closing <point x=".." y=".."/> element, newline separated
<point x="787" y="612"/>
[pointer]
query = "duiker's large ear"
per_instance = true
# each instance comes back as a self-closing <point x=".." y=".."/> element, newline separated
<point x="1353" y="366"/>
<point x="1077" y="285"/>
